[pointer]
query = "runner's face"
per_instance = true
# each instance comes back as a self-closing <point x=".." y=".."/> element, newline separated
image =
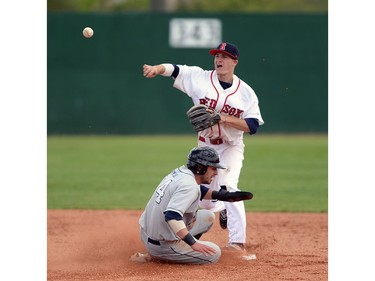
<point x="208" y="177"/>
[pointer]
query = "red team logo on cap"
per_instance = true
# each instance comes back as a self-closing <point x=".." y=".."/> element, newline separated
<point x="222" y="46"/>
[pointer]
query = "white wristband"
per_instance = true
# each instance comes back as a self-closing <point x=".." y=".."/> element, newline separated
<point x="169" y="68"/>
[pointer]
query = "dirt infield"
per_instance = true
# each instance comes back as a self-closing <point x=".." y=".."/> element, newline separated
<point x="96" y="245"/>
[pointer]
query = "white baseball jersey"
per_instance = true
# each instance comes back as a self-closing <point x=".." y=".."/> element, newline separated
<point x="178" y="192"/>
<point x="204" y="87"/>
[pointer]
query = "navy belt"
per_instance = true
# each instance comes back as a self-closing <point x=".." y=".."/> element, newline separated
<point x="154" y="242"/>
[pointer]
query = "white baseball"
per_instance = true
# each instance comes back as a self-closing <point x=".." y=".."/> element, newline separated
<point x="88" y="32"/>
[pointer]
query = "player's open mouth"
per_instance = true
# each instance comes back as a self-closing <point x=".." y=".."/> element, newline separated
<point x="219" y="65"/>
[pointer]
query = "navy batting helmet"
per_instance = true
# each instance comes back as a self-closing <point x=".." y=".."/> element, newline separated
<point x="200" y="158"/>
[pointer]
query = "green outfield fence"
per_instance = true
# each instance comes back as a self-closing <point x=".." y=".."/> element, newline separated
<point x="95" y="86"/>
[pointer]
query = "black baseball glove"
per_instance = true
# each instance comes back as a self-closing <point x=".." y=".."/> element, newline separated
<point x="224" y="195"/>
<point x="202" y="117"/>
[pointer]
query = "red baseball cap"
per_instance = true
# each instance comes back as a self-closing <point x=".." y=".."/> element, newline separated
<point x="226" y="48"/>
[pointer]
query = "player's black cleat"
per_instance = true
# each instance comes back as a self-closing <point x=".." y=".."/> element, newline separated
<point x="223" y="219"/>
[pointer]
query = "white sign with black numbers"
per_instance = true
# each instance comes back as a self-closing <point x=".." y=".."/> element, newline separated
<point x="194" y="33"/>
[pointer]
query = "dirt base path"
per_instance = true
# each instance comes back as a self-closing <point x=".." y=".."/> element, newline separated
<point x="96" y="245"/>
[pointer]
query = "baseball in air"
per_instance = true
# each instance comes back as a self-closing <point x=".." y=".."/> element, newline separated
<point x="88" y="32"/>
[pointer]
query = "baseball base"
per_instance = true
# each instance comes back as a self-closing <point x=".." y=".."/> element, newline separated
<point x="249" y="257"/>
<point x="139" y="257"/>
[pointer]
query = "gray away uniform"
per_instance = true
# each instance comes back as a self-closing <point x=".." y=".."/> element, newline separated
<point x="180" y="193"/>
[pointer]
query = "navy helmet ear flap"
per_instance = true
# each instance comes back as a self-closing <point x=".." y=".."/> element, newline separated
<point x="196" y="168"/>
<point x="201" y="170"/>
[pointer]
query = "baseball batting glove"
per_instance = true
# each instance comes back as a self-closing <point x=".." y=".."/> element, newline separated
<point x="202" y="117"/>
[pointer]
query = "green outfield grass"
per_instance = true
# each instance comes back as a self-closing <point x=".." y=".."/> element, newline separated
<point x="286" y="173"/>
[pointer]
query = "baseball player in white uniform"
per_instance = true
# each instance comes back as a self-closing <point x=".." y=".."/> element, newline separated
<point x="239" y="111"/>
<point x="171" y="223"/>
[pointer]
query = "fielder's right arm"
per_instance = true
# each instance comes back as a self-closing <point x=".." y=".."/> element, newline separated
<point x="150" y="71"/>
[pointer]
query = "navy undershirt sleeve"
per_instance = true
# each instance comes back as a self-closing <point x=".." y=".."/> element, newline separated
<point x="171" y="215"/>
<point x="204" y="191"/>
<point x="176" y="71"/>
<point x="253" y="125"/>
